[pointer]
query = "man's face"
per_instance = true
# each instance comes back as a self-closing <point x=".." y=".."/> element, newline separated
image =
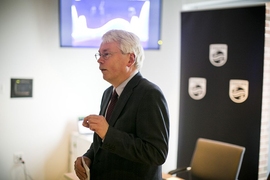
<point x="113" y="64"/>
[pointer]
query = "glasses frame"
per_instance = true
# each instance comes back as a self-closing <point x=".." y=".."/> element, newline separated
<point x="105" y="55"/>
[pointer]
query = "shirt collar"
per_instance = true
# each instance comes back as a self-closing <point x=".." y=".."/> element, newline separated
<point x="121" y="87"/>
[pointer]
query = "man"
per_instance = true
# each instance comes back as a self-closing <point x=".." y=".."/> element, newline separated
<point x="133" y="143"/>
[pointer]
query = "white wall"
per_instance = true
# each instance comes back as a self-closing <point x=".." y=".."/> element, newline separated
<point x="67" y="84"/>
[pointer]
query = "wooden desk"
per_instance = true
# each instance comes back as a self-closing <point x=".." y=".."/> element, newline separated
<point x="72" y="176"/>
<point x="170" y="177"/>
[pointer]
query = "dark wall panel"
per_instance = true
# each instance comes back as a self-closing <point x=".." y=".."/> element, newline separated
<point x="213" y="106"/>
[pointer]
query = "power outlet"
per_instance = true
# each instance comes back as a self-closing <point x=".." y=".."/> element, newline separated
<point x="18" y="157"/>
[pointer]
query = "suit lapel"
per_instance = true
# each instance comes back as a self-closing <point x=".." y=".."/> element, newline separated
<point x="127" y="92"/>
<point x="105" y="101"/>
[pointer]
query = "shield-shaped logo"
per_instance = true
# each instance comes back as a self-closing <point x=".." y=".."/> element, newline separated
<point x="218" y="54"/>
<point x="197" y="87"/>
<point x="238" y="91"/>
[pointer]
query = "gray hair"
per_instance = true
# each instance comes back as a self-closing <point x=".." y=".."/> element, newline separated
<point x="128" y="43"/>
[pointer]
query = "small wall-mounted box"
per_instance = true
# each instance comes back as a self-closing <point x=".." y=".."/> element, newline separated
<point x="21" y="88"/>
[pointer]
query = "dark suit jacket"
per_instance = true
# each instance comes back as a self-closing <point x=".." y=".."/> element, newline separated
<point x="136" y="144"/>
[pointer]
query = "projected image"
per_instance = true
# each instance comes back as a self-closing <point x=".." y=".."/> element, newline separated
<point x="83" y="22"/>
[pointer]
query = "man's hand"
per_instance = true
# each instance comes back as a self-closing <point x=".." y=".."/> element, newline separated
<point x="79" y="169"/>
<point x="96" y="123"/>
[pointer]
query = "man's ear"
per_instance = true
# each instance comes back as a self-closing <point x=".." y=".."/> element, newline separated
<point x="131" y="59"/>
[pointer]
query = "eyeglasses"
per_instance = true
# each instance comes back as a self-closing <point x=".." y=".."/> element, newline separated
<point x="104" y="55"/>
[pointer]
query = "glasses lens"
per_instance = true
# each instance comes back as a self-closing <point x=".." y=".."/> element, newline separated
<point x="97" y="55"/>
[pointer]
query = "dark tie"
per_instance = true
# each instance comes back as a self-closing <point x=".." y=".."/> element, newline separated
<point x="114" y="99"/>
